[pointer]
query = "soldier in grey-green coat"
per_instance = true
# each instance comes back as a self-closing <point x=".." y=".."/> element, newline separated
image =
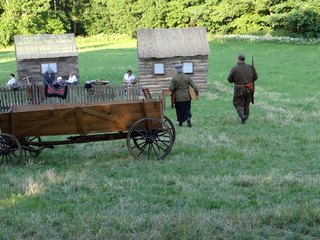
<point x="180" y="85"/>
<point x="243" y="76"/>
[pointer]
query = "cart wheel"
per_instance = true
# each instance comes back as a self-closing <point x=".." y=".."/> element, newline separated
<point x="171" y="128"/>
<point x="10" y="149"/>
<point x="29" y="148"/>
<point x="149" y="137"/>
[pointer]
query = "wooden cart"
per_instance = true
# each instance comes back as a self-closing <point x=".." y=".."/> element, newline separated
<point x="148" y="132"/>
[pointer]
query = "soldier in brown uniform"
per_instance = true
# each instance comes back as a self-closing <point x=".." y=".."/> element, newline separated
<point x="180" y="84"/>
<point x="243" y="75"/>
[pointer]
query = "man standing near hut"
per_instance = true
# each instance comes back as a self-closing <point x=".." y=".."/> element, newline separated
<point x="243" y="76"/>
<point x="48" y="77"/>
<point x="180" y="84"/>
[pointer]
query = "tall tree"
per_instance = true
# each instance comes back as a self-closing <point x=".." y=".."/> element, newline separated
<point x="28" y="17"/>
<point x="97" y="18"/>
<point x="90" y="17"/>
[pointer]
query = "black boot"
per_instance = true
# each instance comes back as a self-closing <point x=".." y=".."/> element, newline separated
<point x="244" y="119"/>
<point x="189" y="122"/>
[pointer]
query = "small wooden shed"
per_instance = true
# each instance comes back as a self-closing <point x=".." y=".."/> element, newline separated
<point x="35" y="53"/>
<point x="160" y="49"/>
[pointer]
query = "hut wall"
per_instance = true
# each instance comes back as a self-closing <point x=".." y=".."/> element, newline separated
<point x="32" y="67"/>
<point x="155" y="83"/>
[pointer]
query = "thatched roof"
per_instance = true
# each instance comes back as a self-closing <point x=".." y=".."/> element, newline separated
<point x="172" y="42"/>
<point x="45" y="46"/>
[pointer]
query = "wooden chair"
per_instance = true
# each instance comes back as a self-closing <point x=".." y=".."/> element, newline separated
<point x="166" y="92"/>
<point x="146" y="93"/>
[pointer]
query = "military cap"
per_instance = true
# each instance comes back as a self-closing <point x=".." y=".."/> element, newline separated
<point x="241" y="57"/>
<point x="179" y="65"/>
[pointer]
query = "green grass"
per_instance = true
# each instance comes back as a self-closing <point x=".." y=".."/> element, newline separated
<point x="222" y="180"/>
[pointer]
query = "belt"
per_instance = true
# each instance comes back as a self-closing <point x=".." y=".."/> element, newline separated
<point x="249" y="86"/>
<point x="243" y="85"/>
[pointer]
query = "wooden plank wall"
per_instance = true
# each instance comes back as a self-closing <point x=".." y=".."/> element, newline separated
<point x="34" y="95"/>
<point x="155" y="83"/>
<point x="32" y="68"/>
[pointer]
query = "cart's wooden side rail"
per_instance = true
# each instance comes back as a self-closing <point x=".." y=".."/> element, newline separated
<point x="35" y="94"/>
<point x="65" y="119"/>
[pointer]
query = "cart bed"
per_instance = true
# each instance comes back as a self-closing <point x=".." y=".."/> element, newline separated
<point x="66" y="119"/>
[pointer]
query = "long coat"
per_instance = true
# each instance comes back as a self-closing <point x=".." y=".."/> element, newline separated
<point x="180" y="83"/>
<point x="240" y="75"/>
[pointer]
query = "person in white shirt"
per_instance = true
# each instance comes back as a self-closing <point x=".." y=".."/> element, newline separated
<point x="12" y="83"/>
<point x="129" y="78"/>
<point x="72" y="79"/>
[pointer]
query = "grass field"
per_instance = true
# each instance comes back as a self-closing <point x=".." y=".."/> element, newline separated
<point x="222" y="180"/>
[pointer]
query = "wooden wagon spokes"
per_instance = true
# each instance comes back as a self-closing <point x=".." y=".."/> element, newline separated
<point x="10" y="149"/>
<point x="29" y="146"/>
<point x="171" y="127"/>
<point x="149" y="138"/>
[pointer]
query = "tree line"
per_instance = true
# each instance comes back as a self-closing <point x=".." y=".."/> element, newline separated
<point x="93" y="17"/>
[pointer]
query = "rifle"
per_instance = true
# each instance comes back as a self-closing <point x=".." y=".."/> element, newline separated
<point x="252" y="93"/>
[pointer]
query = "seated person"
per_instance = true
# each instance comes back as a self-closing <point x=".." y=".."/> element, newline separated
<point x="48" y="77"/>
<point x="60" y="81"/>
<point x="72" y="79"/>
<point x="129" y="78"/>
<point x="12" y="83"/>
<point x="57" y="89"/>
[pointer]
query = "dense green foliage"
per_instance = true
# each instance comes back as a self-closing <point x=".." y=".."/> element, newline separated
<point x="92" y="17"/>
<point x="222" y="180"/>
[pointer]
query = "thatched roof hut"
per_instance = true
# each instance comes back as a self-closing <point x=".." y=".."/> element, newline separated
<point x="34" y="53"/>
<point x="160" y="49"/>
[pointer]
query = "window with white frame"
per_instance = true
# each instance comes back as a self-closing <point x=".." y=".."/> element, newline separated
<point x="158" y="68"/>
<point x="46" y="66"/>
<point x="188" y="67"/>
